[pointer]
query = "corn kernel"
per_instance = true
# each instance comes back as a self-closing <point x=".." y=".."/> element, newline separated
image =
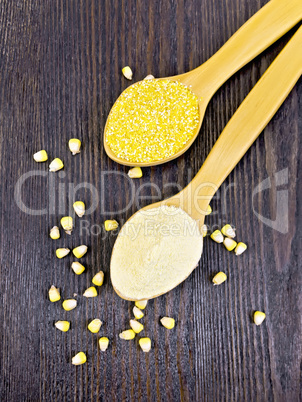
<point x="79" y="358"/>
<point x="90" y="292"/>
<point x="69" y="304"/>
<point x="136" y="326"/>
<point x="219" y="278"/>
<point x="127" y="335"/>
<point x="127" y="72"/>
<point x="240" y="248"/>
<point x="259" y="317"/>
<point x="74" y="146"/>
<point x="145" y="344"/>
<point x="62" y="325"/>
<point x="135" y="173"/>
<point x="41" y="156"/>
<point x="79" y="251"/>
<point x="149" y="77"/>
<point x="67" y="224"/>
<point x="204" y="230"/>
<point x="228" y="231"/>
<point x="54" y="233"/>
<point x="103" y="343"/>
<point x="111" y="225"/>
<point x="62" y="252"/>
<point x="141" y="304"/>
<point x="229" y="244"/>
<point x="95" y="325"/>
<point x="168" y="322"/>
<point x="138" y="314"/>
<point x="209" y="210"/>
<point x="77" y="268"/>
<point x="56" y="165"/>
<point x="217" y="236"/>
<point x="98" y="279"/>
<point x="54" y="294"/>
<point x="79" y="208"/>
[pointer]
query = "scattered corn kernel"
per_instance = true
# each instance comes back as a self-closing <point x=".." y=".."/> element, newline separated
<point x="141" y="304"/>
<point x="55" y="165"/>
<point x="209" y="210"/>
<point x="204" y="230"/>
<point x="67" y="224"/>
<point x="240" y="248"/>
<point x="217" y="236"/>
<point x="138" y="314"/>
<point x="95" y="325"/>
<point x="79" y="251"/>
<point x="145" y="344"/>
<point x="41" y="156"/>
<point x="168" y="322"/>
<point x="74" y="146"/>
<point x="135" y="173"/>
<point x="219" y="278"/>
<point x="54" y="294"/>
<point x="136" y="326"/>
<point x="54" y="233"/>
<point x="259" y="317"/>
<point x="229" y="244"/>
<point x="90" y="292"/>
<point x="79" y="208"/>
<point x="149" y="77"/>
<point x="62" y="252"/>
<point x="98" y="279"/>
<point x="62" y="325"/>
<point x="103" y="343"/>
<point x="127" y="335"/>
<point x="111" y="225"/>
<point x="127" y="72"/>
<point x="77" y="268"/>
<point x="69" y="304"/>
<point x="228" y="231"/>
<point x="79" y="358"/>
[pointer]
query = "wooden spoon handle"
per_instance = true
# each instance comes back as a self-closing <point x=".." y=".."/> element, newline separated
<point x="248" y="122"/>
<point x="271" y="22"/>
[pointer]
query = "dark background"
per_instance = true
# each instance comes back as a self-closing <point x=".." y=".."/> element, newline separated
<point x="60" y="73"/>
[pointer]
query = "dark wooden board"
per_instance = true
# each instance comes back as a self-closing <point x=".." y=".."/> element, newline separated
<point x="60" y="72"/>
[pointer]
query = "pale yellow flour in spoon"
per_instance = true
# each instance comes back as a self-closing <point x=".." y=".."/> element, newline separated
<point x="156" y="250"/>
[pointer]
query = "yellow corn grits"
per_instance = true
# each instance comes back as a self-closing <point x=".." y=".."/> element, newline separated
<point x="152" y="120"/>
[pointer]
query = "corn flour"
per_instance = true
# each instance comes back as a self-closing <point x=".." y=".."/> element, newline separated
<point x="156" y="250"/>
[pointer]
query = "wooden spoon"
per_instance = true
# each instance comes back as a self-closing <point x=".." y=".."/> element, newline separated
<point x="242" y="130"/>
<point x="259" y="32"/>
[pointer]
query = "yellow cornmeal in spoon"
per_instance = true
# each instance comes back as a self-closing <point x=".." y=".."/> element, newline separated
<point x="152" y="120"/>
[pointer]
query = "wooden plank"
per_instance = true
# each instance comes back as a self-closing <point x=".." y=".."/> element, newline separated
<point x="60" y="72"/>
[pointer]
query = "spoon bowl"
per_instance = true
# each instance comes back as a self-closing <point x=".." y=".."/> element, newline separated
<point x="241" y="131"/>
<point x="259" y="32"/>
<point x="202" y="105"/>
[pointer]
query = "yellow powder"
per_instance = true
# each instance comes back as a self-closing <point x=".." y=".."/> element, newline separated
<point x="152" y="120"/>
<point x="156" y="250"/>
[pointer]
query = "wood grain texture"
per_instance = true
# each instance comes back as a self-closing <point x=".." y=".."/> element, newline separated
<point x="60" y="74"/>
